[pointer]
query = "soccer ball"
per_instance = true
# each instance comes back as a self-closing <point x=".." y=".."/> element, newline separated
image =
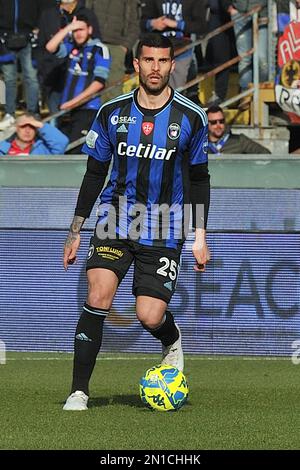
<point x="164" y="388"/>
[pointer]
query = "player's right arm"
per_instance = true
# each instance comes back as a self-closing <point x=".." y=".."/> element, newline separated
<point x="90" y="189"/>
<point x="72" y="242"/>
<point x="98" y="147"/>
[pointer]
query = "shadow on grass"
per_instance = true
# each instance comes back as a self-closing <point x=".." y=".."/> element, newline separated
<point x="132" y="401"/>
<point x="127" y="400"/>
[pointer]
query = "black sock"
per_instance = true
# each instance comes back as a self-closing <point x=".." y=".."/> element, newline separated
<point x="88" y="339"/>
<point x="167" y="332"/>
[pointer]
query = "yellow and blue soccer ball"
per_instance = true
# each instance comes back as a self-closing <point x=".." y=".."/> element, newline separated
<point x="164" y="388"/>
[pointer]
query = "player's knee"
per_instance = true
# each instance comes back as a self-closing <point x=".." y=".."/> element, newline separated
<point x="149" y="319"/>
<point x="99" y="298"/>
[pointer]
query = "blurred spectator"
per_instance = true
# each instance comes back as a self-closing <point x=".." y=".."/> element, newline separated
<point x="220" y="48"/>
<point x="52" y="70"/>
<point x="47" y="4"/>
<point x="18" y="19"/>
<point x="88" y="69"/>
<point x="287" y="11"/>
<point x="221" y="140"/>
<point x="177" y="20"/>
<point x="33" y="137"/>
<point x="119" y="22"/>
<point x="244" y="40"/>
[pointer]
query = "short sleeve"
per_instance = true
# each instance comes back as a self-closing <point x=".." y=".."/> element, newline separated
<point x="199" y="144"/>
<point x="102" y="63"/>
<point x="97" y="143"/>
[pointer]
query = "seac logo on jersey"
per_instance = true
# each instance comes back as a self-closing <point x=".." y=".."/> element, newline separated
<point x="91" y="139"/>
<point x="174" y="130"/>
<point x="115" y="119"/>
<point x="147" y="127"/>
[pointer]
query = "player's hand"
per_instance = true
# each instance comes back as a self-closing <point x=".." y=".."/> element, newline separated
<point x="158" y="23"/>
<point x="201" y="254"/>
<point x="72" y="244"/>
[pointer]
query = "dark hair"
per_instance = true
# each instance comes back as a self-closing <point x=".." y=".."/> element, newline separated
<point x="215" y="109"/>
<point x="85" y="18"/>
<point x="154" y="40"/>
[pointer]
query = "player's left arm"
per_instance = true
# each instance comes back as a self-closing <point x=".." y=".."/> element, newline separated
<point x="200" y="195"/>
<point x="200" y="198"/>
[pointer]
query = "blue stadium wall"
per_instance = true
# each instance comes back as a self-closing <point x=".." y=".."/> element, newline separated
<point x="246" y="303"/>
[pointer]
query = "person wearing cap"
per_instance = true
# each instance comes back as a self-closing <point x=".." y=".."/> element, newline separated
<point x="34" y="137"/>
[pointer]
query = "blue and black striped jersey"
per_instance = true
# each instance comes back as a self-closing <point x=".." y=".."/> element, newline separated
<point x="86" y="64"/>
<point x="152" y="151"/>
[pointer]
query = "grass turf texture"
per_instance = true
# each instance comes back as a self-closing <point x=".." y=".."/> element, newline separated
<point x="234" y="403"/>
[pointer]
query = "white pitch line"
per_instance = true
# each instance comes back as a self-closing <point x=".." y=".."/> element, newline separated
<point x="145" y="358"/>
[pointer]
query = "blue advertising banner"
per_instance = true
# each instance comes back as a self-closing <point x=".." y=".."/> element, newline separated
<point x="231" y="209"/>
<point x="247" y="302"/>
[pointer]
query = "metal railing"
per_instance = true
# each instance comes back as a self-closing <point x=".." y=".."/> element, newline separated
<point x="254" y="90"/>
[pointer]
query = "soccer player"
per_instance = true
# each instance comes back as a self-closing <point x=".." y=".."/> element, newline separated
<point x="158" y="141"/>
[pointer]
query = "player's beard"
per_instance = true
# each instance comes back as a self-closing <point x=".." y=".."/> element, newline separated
<point x="154" y="88"/>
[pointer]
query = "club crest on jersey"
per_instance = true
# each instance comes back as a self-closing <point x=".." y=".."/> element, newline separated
<point x="174" y="130"/>
<point x="147" y="127"/>
<point x="91" y="252"/>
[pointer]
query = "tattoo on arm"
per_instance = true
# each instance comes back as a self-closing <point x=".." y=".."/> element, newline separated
<point x="76" y="224"/>
<point x="75" y="228"/>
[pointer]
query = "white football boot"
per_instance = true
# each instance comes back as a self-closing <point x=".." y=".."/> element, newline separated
<point x="77" y="401"/>
<point x="172" y="355"/>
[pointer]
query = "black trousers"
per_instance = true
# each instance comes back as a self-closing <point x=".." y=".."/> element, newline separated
<point x="220" y="49"/>
<point x="76" y="125"/>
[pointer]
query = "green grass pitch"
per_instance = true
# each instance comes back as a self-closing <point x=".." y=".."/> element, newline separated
<point x="234" y="403"/>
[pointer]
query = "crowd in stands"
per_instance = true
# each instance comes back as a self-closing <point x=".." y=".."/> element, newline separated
<point x="70" y="50"/>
